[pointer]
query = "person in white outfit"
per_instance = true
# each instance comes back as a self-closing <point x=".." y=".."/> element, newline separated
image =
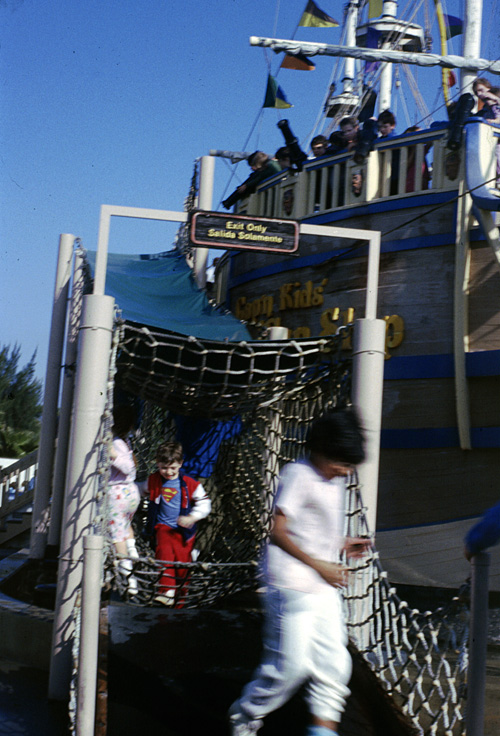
<point x="305" y="638"/>
<point x="123" y="493"/>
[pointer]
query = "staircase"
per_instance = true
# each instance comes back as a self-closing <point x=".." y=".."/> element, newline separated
<point x="17" y="490"/>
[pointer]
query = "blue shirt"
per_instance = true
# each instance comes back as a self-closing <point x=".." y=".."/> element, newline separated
<point x="170" y="503"/>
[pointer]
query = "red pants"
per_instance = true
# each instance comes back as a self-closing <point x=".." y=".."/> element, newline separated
<point x="172" y="547"/>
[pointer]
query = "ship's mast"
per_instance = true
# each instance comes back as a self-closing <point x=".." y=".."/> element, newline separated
<point x="390" y="10"/>
<point x="347" y="101"/>
<point x="471" y="40"/>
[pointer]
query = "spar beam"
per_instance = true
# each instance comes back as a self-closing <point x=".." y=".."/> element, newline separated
<point x="356" y="52"/>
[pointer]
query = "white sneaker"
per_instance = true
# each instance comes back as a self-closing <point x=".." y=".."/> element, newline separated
<point x="166" y="599"/>
<point x="239" y="725"/>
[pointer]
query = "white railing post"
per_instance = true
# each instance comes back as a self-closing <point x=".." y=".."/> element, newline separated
<point x="368" y="356"/>
<point x="89" y="635"/>
<point x="478" y="641"/>
<point x="205" y="197"/>
<point x="68" y="385"/>
<point x="46" y="447"/>
<point x="91" y="386"/>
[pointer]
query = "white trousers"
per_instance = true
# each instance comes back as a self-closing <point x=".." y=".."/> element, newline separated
<point x="305" y="640"/>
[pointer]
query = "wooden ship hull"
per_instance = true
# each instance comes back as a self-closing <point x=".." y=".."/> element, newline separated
<point x="439" y="292"/>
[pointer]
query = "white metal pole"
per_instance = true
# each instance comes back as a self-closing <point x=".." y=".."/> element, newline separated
<point x="367" y="382"/>
<point x="50" y="400"/>
<point x="471" y="40"/>
<point x="205" y="198"/>
<point x="367" y="388"/>
<point x="89" y="635"/>
<point x="350" y="41"/>
<point x="478" y="642"/>
<point x="81" y="479"/>
<point x="66" y="402"/>
<point x="390" y="10"/>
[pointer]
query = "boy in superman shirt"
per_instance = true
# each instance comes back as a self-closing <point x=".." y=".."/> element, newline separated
<point x="176" y="503"/>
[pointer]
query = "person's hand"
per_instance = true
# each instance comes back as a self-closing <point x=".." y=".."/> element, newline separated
<point x="186" y="522"/>
<point x="356" y="547"/>
<point x="333" y="573"/>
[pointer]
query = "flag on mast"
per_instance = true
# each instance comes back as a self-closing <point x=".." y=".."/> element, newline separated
<point x="275" y="97"/>
<point x="299" y="62"/>
<point x="314" y="17"/>
<point x="375" y="8"/>
<point x="454" y="26"/>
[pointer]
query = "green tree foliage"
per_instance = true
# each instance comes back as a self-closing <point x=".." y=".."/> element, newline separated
<point x="20" y="408"/>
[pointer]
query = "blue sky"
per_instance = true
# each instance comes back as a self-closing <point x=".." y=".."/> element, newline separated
<point x="111" y="103"/>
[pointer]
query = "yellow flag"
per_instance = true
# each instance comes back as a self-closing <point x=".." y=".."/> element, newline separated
<point x="375" y="8"/>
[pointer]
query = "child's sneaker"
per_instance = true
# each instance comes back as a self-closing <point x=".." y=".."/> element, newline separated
<point x="238" y="723"/>
<point x="166" y="599"/>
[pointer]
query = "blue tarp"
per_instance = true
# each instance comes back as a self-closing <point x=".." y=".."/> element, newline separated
<point x="159" y="290"/>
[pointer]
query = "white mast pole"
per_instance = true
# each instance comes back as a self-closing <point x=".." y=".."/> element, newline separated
<point x="350" y="41"/>
<point x="46" y="449"/>
<point x="205" y="197"/>
<point x="385" y="90"/>
<point x="471" y="40"/>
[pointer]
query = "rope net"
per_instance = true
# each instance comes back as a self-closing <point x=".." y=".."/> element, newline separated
<point x="271" y="392"/>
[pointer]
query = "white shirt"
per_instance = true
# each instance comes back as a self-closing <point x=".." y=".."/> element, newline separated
<point x="314" y="510"/>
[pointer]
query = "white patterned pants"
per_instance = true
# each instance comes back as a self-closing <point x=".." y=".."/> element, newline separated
<point x="305" y="640"/>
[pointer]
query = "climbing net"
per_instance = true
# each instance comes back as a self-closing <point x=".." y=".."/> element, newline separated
<point x="264" y="397"/>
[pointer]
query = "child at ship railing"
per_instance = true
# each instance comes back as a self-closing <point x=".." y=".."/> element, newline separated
<point x="490" y="111"/>
<point x="305" y="638"/>
<point x="483" y="90"/>
<point x="176" y="503"/>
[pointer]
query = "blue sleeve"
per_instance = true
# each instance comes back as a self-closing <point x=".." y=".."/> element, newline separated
<point x="486" y="532"/>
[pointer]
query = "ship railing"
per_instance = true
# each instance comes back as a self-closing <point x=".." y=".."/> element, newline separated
<point x="404" y="166"/>
<point x="17" y="485"/>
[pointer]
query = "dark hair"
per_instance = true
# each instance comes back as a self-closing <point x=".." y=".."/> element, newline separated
<point x="337" y="139"/>
<point x="386" y="116"/>
<point x="349" y="120"/>
<point x="169" y="452"/>
<point x="337" y="435"/>
<point x="124" y="418"/>
<point x="282" y="153"/>
<point x="318" y="139"/>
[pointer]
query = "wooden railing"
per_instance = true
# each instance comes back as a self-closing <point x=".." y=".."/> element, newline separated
<point x="17" y="485"/>
<point x="404" y="166"/>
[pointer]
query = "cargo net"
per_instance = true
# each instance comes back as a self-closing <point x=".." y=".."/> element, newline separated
<point x="420" y="658"/>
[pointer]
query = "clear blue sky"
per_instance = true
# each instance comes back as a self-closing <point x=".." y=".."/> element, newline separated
<point x="111" y="103"/>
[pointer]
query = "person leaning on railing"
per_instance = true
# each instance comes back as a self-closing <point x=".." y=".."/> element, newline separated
<point x="263" y="166"/>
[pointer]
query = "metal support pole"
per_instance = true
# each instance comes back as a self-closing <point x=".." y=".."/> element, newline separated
<point x="367" y="388"/>
<point x="66" y="403"/>
<point x="205" y="197"/>
<point x="478" y="639"/>
<point x="89" y="635"/>
<point x="471" y="41"/>
<point x="46" y="447"/>
<point x="81" y="478"/>
<point x="390" y="10"/>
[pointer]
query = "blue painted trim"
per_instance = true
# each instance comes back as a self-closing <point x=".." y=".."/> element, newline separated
<point x="371" y="208"/>
<point x="389" y="246"/>
<point x="407" y="367"/>
<point x="433" y="437"/>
